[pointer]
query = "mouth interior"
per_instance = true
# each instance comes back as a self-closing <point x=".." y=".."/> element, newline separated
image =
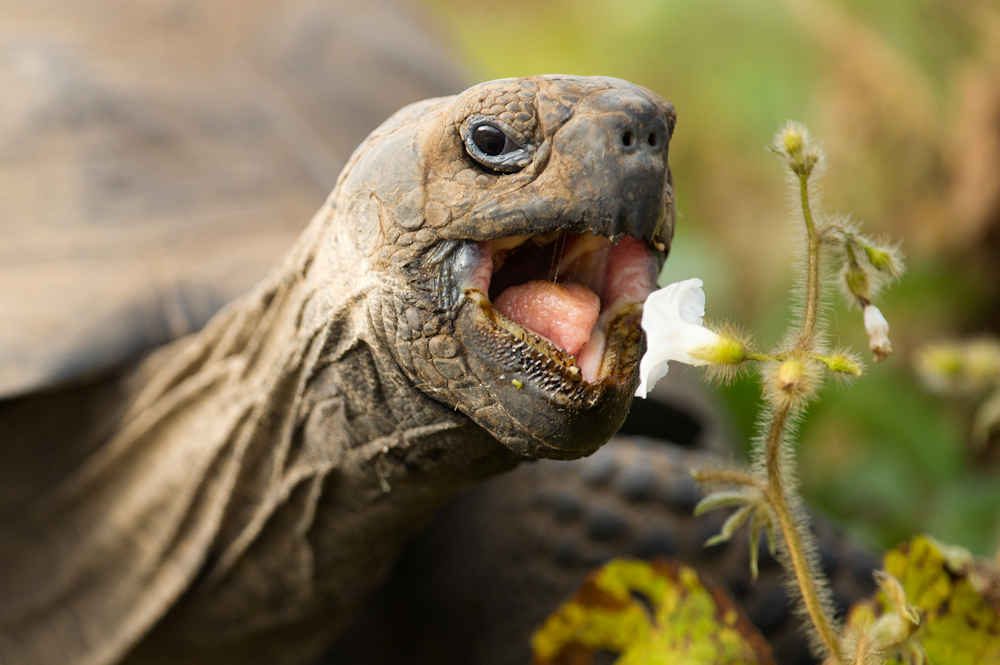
<point x="566" y="287"/>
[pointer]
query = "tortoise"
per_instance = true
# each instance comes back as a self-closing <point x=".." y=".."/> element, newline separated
<point x="235" y="496"/>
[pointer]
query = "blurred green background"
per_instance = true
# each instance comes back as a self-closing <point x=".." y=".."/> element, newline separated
<point x="905" y="96"/>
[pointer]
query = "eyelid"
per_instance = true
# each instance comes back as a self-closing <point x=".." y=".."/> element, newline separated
<point x="505" y="162"/>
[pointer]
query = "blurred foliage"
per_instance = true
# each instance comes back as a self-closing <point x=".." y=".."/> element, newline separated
<point x="905" y="95"/>
<point x="937" y="604"/>
<point x="957" y="597"/>
<point x="969" y="369"/>
<point x="649" y="613"/>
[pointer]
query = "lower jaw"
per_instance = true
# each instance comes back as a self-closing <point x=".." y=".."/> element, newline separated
<point x="534" y="403"/>
<point x="539" y="408"/>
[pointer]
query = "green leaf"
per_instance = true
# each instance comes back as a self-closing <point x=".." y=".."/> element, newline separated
<point x="754" y="531"/>
<point x="651" y="614"/>
<point x="763" y="519"/>
<point x="730" y="525"/>
<point x="720" y="500"/>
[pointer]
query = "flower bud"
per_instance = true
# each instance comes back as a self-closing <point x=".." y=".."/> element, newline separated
<point x="792" y="381"/>
<point x="878" y="333"/>
<point x="857" y="283"/>
<point x="791" y="374"/>
<point x="794" y="145"/>
<point x="841" y="363"/>
<point x="792" y="139"/>
<point x="883" y="260"/>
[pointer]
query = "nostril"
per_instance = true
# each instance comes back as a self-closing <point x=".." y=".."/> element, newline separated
<point x="653" y="139"/>
<point x="627" y="139"/>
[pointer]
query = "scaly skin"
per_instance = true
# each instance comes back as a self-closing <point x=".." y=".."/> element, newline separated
<point x="261" y="475"/>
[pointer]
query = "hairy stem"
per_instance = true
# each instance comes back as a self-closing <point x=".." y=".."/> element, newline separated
<point x="775" y="436"/>
<point x="793" y="539"/>
<point x="812" y="269"/>
<point x="864" y="645"/>
<point x="730" y="478"/>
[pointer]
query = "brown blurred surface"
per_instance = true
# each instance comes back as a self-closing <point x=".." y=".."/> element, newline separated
<point x="502" y="556"/>
<point x="158" y="156"/>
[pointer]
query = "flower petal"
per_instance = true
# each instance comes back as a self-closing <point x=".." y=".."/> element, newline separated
<point x="692" y="301"/>
<point x="672" y="320"/>
<point x="684" y="301"/>
<point x="649" y="374"/>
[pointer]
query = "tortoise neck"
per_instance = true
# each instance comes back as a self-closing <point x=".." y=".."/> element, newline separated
<point x="265" y="472"/>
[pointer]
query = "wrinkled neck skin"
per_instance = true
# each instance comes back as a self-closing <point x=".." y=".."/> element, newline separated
<point x="265" y="473"/>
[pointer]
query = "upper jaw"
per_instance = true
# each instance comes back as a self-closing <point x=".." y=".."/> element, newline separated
<point x="646" y="218"/>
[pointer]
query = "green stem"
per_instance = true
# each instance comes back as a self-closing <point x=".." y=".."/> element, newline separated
<point x="812" y="269"/>
<point x="793" y="539"/>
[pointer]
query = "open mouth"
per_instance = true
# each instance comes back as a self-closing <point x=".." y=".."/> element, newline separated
<point x="570" y="297"/>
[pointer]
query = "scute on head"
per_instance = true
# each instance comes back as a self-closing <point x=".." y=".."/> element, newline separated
<point x="549" y="178"/>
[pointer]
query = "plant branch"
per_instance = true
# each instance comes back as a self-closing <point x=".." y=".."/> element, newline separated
<point x="730" y="478"/>
<point x="775" y="437"/>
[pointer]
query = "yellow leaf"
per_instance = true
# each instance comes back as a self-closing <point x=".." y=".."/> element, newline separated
<point x="651" y="614"/>
<point x="959" y="599"/>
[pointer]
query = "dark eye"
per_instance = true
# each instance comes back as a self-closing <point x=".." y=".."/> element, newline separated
<point x="489" y="139"/>
<point x="493" y="147"/>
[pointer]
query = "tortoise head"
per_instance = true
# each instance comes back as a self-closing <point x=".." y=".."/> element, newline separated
<point x="513" y="233"/>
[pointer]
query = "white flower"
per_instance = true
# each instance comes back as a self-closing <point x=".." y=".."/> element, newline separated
<point x="672" y="319"/>
<point x="878" y="332"/>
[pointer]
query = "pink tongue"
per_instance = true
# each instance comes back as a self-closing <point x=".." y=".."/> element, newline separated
<point x="564" y="314"/>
